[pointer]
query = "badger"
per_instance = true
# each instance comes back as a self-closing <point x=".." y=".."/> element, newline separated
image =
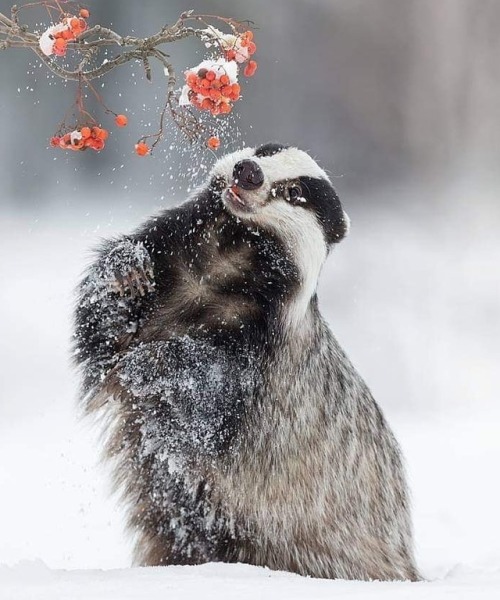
<point x="238" y="429"/>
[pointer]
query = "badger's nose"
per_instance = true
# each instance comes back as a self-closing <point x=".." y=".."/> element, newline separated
<point x="248" y="175"/>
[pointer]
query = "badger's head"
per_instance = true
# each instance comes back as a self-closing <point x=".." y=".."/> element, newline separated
<point x="278" y="187"/>
<point x="283" y="190"/>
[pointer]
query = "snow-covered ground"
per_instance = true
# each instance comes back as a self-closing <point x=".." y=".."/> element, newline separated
<point x="430" y="360"/>
<point x="32" y="581"/>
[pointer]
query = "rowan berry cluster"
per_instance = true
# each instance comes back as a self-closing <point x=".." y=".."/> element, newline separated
<point x="213" y="86"/>
<point x="82" y="138"/>
<point x="55" y="39"/>
<point x="241" y="49"/>
<point x="86" y="136"/>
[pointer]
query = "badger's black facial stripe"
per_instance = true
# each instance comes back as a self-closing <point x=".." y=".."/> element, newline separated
<point x="270" y="149"/>
<point x="321" y="198"/>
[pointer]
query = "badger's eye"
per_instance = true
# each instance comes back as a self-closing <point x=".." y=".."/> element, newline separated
<point x="294" y="192"/>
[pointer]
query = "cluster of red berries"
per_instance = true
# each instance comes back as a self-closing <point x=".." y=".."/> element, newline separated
<point x="213" y="85"/>
<point x="241" y="51"/>
<point x="55" y="39"/>
<point x="82" y="138"/>
<point x="86" y="136"/>
<point x="212" y="90"/>
<point x="94" y="137"/>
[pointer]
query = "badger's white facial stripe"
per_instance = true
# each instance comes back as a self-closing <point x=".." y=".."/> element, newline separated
<point x="290" y="163"/>
<point x="303" y="236"/>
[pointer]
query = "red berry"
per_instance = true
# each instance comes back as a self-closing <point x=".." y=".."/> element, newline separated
<point x="250" y="68"/>
<point x="191" y="79"/>
<point x="100" y="134"/>
<point x="206" y="104"/>
<point x="60" y="47"/>
<point x="97" y="145"/>
<point x="213" y="142"/>
<point x="121" y="120"/>
<point x="141" y="149"/>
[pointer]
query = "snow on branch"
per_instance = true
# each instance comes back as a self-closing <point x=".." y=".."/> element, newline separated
<point x="75" y="51"/>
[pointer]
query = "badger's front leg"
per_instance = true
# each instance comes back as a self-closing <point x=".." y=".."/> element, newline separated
<point x="128" y="271"/>
<point x="189" y="395"/>
<point x="112" y="300"/>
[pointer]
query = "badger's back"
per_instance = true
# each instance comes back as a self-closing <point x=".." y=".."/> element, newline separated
<point x="318" y="482"/>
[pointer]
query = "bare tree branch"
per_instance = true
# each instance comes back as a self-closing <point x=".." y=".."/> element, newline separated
<point x="17" y="36"/>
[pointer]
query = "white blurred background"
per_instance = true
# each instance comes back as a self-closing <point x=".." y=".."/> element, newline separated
<point x="399" y="100"/>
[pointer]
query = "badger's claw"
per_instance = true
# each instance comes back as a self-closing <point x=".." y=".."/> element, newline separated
<point x="137" y="282"/>
<point x="130" y="272"/>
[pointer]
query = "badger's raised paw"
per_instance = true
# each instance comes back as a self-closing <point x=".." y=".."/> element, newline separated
<point x="128" y="270"/>
<point x="137" y="282"/>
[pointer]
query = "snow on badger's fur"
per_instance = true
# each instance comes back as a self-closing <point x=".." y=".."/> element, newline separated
<point x="239" y="429"/>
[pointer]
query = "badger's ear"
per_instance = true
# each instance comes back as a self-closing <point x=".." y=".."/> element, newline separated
<point x="321" y="198"/>
<point x="340" y="228"/>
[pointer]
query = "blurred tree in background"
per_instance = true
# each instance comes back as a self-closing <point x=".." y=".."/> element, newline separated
<point x="380" y="91"/>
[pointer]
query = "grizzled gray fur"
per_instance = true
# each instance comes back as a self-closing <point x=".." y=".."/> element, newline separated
<point x="238" y="429"/>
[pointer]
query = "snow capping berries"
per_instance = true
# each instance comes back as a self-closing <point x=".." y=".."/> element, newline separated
<point x="237" y="47"/>
<point x="81" y="138"/>
<point x="212" y="86"/>
<point x="55" y="39"/>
